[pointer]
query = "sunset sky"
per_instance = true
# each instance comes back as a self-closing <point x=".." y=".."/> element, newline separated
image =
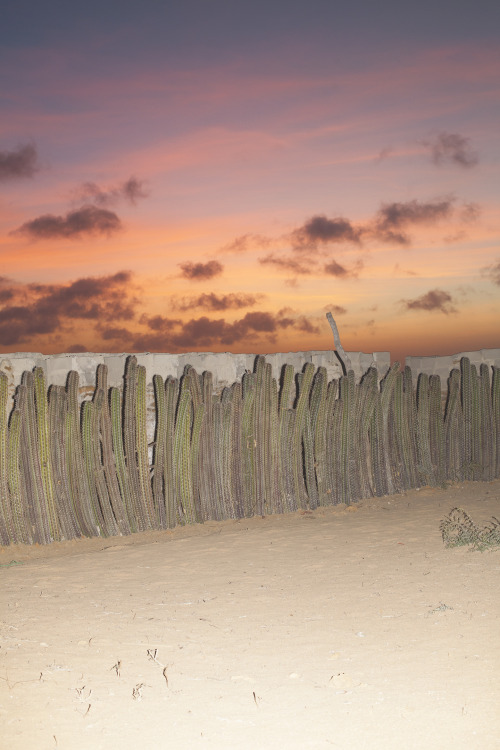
<point x="216" y="175"/>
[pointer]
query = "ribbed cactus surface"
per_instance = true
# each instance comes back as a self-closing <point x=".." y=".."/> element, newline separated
<point x="266" y="444"/>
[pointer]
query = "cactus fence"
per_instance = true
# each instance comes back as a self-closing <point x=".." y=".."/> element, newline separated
<point x="260" y="447"/>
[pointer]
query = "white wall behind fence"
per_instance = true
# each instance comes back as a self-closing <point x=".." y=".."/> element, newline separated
<point x="226" y="368"/>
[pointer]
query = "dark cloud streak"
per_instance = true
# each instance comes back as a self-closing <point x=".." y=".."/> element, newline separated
<point x="492" y="272"/>
<point x="341" y="272"/>
<point x="84" y="221"/>
<point x="18" y="164"/>
<point x="131" y="190"/>
<point x="320" y="230"/>
<point x="287" y="264"/>
<point x="451" y="148"/>
<point x="40" y="309"/>
<point x="392" y="218"/>
<point x="435" y="299"/>
<point x="217" y="303"/>
<point x="169" y="334"/>
<point x="201" y="271"/>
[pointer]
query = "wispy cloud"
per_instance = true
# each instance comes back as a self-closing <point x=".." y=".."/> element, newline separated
<point x="384" y="154"/>
<point x="82" y="222"/>
<point x="246" y="242"/>
<point x="393" y="218"/>
<point x="19" y="163"/>
<point x="392" y="223"/>
<point x="342" y="272"/>
<point x="335" y="309"/>
<point x="131" y="190"/>
<point x="451" y="148"/>
<point x="217" y="302"/>
<point x="286" y="263"/>
<point x="201" y="271"/>
<point x="435" y="299"/>
<point x="492" y="272"/>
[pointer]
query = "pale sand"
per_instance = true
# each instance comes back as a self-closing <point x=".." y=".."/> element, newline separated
<point x="342" y="628"/>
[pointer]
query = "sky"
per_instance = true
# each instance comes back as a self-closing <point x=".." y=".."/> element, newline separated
<point x="218" y="175"/>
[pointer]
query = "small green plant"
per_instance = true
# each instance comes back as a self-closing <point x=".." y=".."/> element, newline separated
<point x="458" y="529"/>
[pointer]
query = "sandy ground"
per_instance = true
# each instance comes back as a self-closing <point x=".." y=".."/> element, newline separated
<point x="342" y="628"/>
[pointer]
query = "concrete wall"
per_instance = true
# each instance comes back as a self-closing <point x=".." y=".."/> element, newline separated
<point x="226" y="368"/>
<point x="442" y="366"/>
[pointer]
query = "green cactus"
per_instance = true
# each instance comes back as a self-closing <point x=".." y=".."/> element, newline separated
<point x="117" y="507"/>
<point x="477" y="436"/>
<point x="263" y="452"/>
<point x="378" y="450"/>
<point x="249" y="451"/>
<point x="90" y="439"/>
<point x="405" y="430"/>
<point x="487" y="427"/>
<point x="98" y="472"/>
<point x="130" y="439"/>
<point x="223" y="445"/>
<point x="75" y="464"/>
<point x="45" y="460"/>
<point x="436" y="430"/>
<point x="348" y="450"/>
<point x="182" y="458"/>
<point x="236" y="451"/>
<point x="387" y="387"/>
<point x="286" y="416"/>
<point x="20" y="517"/>
<point x="7" y="533"/>
<point x="206" y="465"/>
<point x="277" y="499"/>
<point x="366" y="398"/>
<point x="142" y="453"/>
<point x="330" y="443"/>
<point x="31" y="463"/>
<point x="411" y="453"/>
<point x="58" y="407"/>
<point x="249" y="444"/>
<point x="299" y="428"/>
<point x="318" y="429"/>
<point x="159" y="451"/>
<point x="495" y="405"/>
<point x="472" y="417"/>
<point x="466" y="397"/>
<point x="454" y="431"/>
<point x="424" y="464"/>
<point x="193" y="382"/>
<point x="169" y="479"/>
<point x="198" y="417"/>
<point x="122" y="474"/>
